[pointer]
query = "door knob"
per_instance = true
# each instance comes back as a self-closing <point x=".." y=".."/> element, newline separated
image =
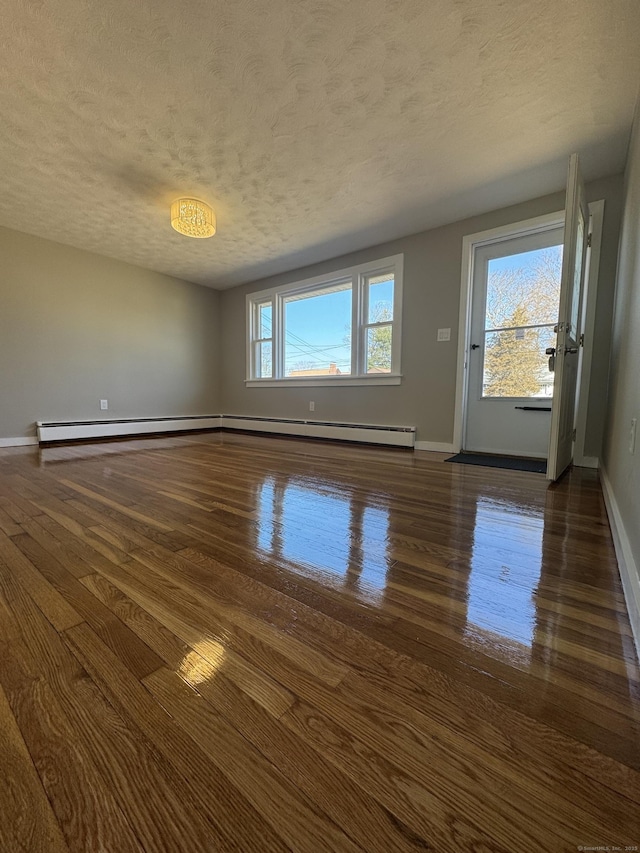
<point x="551" y="352"/>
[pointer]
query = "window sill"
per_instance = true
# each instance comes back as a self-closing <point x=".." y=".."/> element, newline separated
<point x="324" y="381"/>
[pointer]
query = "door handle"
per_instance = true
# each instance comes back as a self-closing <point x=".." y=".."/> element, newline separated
<point x="551" y="352"/>
<point x="475" y="346"/>
<point x="572" y="350"/>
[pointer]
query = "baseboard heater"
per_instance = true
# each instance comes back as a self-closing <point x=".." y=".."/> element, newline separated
<point x="397" y="436"/>
<point x="75" y="430"/>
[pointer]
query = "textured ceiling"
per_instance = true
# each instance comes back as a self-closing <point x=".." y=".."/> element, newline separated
<point x="312" y="126"/>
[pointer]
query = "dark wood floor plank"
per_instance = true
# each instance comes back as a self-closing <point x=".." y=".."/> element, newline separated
<point x="154" y="633"/>
<point x="301" y="825"/>
<point x="78" y="524"/>
<point x="206" y="633"/>
<point x="54" y="605"/>
<point x="83" y="802"/>
<point x="124" y="642"/>
<point x="121" y="507"/>
<point x="7" y="525"/>
<point x="203" y="634"/>
<point x="215" y="794"/>
<point x="463" y="707"/>
<point x="71" y="560"/>
<point x="154" y="799"/>
<point x="28" y="822"/>
<point x="601" y="710"/>
<point x="215" y="613"/>
<point x="75" y="547"/>
<point x="201" y="656"/>
<point x="350" y="806"/>
<point x="138" y="533"/>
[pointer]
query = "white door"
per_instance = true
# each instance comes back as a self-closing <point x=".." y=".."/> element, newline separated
<point x="514" y="307"/>
<point x="566" y="349"/>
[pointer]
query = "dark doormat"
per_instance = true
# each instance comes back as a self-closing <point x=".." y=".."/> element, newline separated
<point x="515" y="463"/>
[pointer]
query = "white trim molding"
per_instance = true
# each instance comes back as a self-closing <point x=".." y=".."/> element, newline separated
<point x="435" y="446"/>
<point x="19" y="441"/>
<point x="324" y="381"/>
<point x="354" y="279"/>
<point x="629" y="570"/>
<point x="470" y="243"/>
<point x="539" y="223"/>
<point x="587" y="462"/>
<point x="596" y="209"/>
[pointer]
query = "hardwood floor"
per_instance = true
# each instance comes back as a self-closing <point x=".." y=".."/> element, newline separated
<point x="225" y="642"/>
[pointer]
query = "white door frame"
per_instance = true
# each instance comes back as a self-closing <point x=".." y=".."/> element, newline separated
<point x="469" y="244"/>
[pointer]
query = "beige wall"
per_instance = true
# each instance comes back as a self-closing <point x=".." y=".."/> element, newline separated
<point x="622" y="468"/>
<point x="426" y="397"/>
<point x="76" y="327"/>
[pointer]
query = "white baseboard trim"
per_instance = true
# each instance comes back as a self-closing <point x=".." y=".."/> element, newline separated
<point x="435" y="446"/>
<point x="627" y="566"/>
<point x="587" y="462"/>
<point x="20" y="441"/>
<point x="393" y="436"/>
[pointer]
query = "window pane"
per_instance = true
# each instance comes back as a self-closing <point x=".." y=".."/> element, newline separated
<point x="379" y="349"/>
<point x="264" y="360"/>
<point x="380" y="298"/>
<point x="524" y="289"/>
<point x="515" y="364"/>
<point x="317" y="332"/>
<point x="264" y="320"/>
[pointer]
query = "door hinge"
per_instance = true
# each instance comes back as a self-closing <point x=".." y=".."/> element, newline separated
<point x="573" y="434"/>
<point x="581" y="340"/>
<point x="589" y="238"/>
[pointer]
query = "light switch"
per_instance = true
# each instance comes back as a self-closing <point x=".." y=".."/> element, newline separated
<point x="444" y="334"/>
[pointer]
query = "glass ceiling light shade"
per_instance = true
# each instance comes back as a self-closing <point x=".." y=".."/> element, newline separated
<point x="193" y="217"/>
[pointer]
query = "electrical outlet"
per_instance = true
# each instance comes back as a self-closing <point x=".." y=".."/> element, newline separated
<point x="444" y="334"/>
<point x="104" y="405"/>
<point x="632" y="435"/>
<point x="312" y="406"/>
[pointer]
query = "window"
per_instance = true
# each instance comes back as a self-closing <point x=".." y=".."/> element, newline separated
<point x="263" y="342"/>
<point x="339" y="328"/>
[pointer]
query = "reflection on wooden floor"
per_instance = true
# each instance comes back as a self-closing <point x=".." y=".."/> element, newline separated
<point x="232" y="643"/>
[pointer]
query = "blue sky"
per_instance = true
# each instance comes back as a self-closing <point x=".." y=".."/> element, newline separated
<point x="317" y="328"/>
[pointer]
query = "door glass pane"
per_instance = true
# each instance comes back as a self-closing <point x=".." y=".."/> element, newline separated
<point x="264" y="360"/>
<point x="379" y="349"/>
<point x="380" y="298"/>
<point x="317" y="332"/>
<point x="524" y="289"/>
<point x="515" y="363"/>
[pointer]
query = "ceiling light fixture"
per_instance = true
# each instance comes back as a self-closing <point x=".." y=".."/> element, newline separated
<point x="193" y="217"/>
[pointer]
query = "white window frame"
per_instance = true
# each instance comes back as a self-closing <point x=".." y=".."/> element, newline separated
<point x="357" y="277"/>
<point x="255" y="324"/>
